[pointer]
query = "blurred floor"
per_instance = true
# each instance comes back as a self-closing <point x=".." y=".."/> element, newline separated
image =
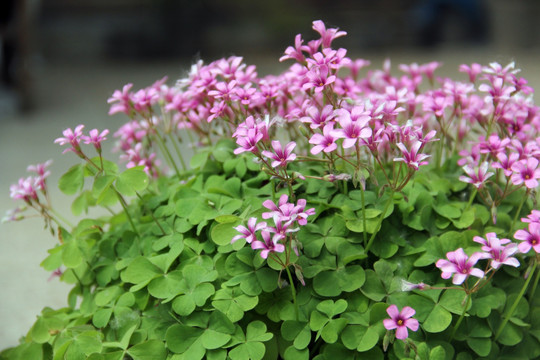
<point x="68" y="95"/>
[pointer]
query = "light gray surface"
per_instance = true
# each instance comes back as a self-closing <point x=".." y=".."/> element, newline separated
<point x="71" y="95"/>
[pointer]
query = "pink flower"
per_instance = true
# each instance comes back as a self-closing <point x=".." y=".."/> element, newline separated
<point x="281" y="156"/>
<point x="495" y="251"/>
<point x="412" y="158"/>
<point x="268" y="245"/>
<point x="42" y="172"/>
<point x="316" y="118"/>
<point x="473" y="71"/>
<point x="323" y="142"/>
<point x="121" y="100"/>
<point x="73" y="138"/>
<point x="287" y="212"/>
<point x="526" y="171"/>
<point x="531" y="238"/>
<point x="25" y="189"/>
<point x="318" y="78"/>
<point x="249" y="233"/>
<point x="460" y="265"/>
<point x="354" y="126"/>
<point x="477" y="176"/>
<point x="505" y="162"/>
<point x="401" y="320"/>
<point x="95" y="138"/>
<point x="327" y="35"/>
<point x="249" y="141"/>
<point x="534" y="216"/>
<point x="295" y="53"/>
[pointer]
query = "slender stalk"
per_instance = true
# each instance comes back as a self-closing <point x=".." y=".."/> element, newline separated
<point x="516" y="302"/>
<point x="471" y="198"/>
<point x="456" y="327"/>
<point x="124" y="206"/>
<point x="293" y="292"/>
<point x="167" y="153"/>
<point x="535" y="285"/>
<point x="363" y="213"/>
<point x="390" y="200"/>
<point x="518" y="211"/>
<point x="60" y="217"/>
<point x="178" y="153"/>
<point x="152" y="214"/>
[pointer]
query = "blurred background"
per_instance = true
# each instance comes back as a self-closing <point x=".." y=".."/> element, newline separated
<point x="62" y="59"/>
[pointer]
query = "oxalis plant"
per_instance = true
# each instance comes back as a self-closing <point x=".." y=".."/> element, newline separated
<point x="329" y="212"/>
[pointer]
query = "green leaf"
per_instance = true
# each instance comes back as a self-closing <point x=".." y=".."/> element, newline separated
<point x="466" y="219"/>
<point x="101" y="187"/>
<point x="298" y="332"/>
<point x="233" y="303"/>
<point x="71" y="254"/>
<point x="199" y="160"/>
<point x="292" y="353"/>
<point x="223" y="233"/>
<point x="148" y="350"/>
<point x="373" y="288"/>
<point x="454" y="301"/>
<point x="332" y="309"/>
<point x="101" y="317"/>
<point x="182" y="339"/>
<point x="140" y="272"/>
<point x="72" y="181"/>
<point x="252" y="347"/>
<point x="438" y="320"/>
<point x="511" y="335"/>
<point x="131" y="181"/>
<point x="437" y="353"/>
<point x="212" y="339"/>
<point x="482" y="347"/>
<point x="359" y="337"/>
<point x="330" y="332"/>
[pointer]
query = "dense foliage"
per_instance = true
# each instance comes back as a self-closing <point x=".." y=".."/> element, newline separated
<point x="324" y="215"/>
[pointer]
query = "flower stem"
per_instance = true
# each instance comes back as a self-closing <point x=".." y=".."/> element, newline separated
<point x="535" y="285"/>
<point x="467" y="302"/>
<point x="471" y="198"/>
<point x="518" y="212"/>
<point x="124" y="206"/>
<point x="383" y="214"/>
<point x="293" y="292"/>
<point x="363" y="213"/>
<point x="180" y="157"/>
<point x="516" y="302"/>
<point x="167" y="153"/>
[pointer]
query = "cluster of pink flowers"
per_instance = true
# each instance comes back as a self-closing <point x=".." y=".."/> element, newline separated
<point x="287" y="218"/>
<point x="27" y="189"/>
<point x="73" y="138"/>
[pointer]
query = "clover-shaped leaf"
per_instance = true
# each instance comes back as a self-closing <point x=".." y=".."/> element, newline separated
<point x="195" y="288"/>
<point x="251" y="344"/>
<point x="193" y="340"/>
<point x="233" y="302"/>
<point x="140" y="272"/>
<point x="296" y="331"/>
<point x="131" y="181"/>
<point x="323" y="320"/>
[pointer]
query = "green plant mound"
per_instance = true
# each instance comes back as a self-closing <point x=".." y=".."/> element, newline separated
<point x="180" y="290"/>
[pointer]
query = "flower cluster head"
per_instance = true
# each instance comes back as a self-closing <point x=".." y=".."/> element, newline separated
<point x="401" y="320"/>
<point x="76" y="136"/>
<point x="286" y="216"/>
<point x="498" y="251"/>
<point x="27" y="189"/>
<point x="459" y="266"/>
